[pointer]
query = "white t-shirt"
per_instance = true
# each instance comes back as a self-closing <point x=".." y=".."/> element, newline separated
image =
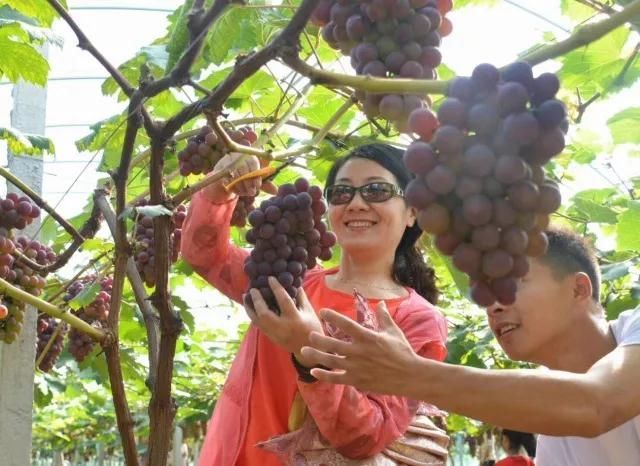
<point x="619" y="446"/>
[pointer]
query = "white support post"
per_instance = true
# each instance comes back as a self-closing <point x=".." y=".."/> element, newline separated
<point x="17" y="360"/>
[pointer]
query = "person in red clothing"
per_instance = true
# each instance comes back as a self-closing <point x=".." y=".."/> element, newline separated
<point x="520" y="446"/>
<point x="377" y="232"/>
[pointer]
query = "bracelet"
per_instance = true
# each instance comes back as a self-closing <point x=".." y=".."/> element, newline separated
<point x="304" y="372"/>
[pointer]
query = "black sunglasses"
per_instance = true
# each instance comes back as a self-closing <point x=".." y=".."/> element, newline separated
<point x="339" y="194"/>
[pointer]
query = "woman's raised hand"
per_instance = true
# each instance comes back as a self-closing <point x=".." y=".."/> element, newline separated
<point x="239" y="164"/>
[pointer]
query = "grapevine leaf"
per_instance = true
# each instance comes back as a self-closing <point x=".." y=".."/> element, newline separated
<point x="20" y="60"/>
<point x="628" y="228"/>
<point x="85" y="297"/>
<point x="624" y="126"/>
<point x="153" y="210"/>
<point x="25" y="143"/>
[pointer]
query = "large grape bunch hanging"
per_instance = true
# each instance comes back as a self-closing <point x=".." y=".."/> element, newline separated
<point x="289" y="236"/>
<point x="144" y="247"/>
<point x="95" y="314"/>
<point x="387" y="38"/>
<point x="16" y="212"/>
<point x="204" y="150"/>
<point x="480" y="187"/>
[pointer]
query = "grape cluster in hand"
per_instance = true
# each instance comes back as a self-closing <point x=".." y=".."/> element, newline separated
<point x="387" y="38"/>
<point x="480" y="186"/>
<point x="144" y="249"/>
<point x="289" y="236"/>
<point x="204" y="150"/>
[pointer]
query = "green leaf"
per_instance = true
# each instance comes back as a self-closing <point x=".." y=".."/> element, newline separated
<point x="179" y="37"/>
<point x="233" y="34"/>
<point x="628" y="228"/>
<point x="19" y="60"/>
<point x="25" y="143"/>
<point x="625" y="126"/>
<point x="576" y="10"/>
<point x="595" y="212"/>
<point x="153" y="210"/>
<point x="85" y="297"/>
<point x="37" y="9"/>
<point x="594" y="68"/>
<point x="614" y="271"/>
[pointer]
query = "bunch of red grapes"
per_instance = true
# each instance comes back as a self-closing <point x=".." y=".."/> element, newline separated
<point x="144" y="249"/>
<point x="204" y="150"/>
<point x="16" y="212"/>
<point x="46" y="329"/>
<point x="480" y="186"/>
<point x="289" y="236"/>
<point x="387" y="38"/>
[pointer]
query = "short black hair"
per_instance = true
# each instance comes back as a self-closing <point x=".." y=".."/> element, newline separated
<point x="570" y="253"/>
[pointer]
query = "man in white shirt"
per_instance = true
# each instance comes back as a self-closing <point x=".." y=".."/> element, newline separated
<point x="586" y="403"/>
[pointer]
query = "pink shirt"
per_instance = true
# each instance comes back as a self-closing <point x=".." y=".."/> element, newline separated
<point x="255" y="402"/>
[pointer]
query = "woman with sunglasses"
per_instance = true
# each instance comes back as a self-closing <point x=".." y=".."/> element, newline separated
<point x="269" y="380"/>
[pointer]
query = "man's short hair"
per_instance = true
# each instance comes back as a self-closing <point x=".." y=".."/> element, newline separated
<point x="569" y="253"/>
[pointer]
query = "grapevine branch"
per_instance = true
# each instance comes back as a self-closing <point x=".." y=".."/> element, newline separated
<point x="54" y="311"/>
<point x="88" y="230"/>
<point x="40" y="202"/>
<point x="85" y="44"/>
<point x="233" y="146"/>
<point x="162" y="407"/>
<point x="199" y="23"/>
<point x="149" y="316"/>
<point x="244" y="68"/>
<point x="365" y="83"/>
<point x="584" y="35"/>
<point x="112" y="352"/>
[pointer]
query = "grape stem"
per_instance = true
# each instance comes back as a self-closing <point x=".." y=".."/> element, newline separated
<point x="232" y="145"/>
<point x="583" y="35"/>
<point x="24" y="260"/>
<point x="365" y="83"/>
<point x="19" y="294"/>
<point x="40" y="202"/>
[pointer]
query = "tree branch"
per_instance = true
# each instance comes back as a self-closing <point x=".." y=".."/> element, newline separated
<point x="365" y="83"/>
<point x="162" y="407"/>
<point x="54" y="311"/>
<point x="88" y="230"/>
<point x="149" y="316"/>
<point x="85" y="44"/>
<point x="244" y="68"/>
<point x="112" y="352"/>
<point x="583" y="35"/>
<point x="199" y="23"/>
<point x="40" y="202"/>
<point x="234" y="146"/>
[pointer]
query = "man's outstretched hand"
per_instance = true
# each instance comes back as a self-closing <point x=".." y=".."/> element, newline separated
<point x="380" y="362"/>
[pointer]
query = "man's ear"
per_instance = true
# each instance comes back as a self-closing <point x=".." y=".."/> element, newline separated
<point x="582" y="288"/>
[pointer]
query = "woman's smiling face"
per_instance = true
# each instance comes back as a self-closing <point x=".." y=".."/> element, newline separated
<point x="361" y="226"/>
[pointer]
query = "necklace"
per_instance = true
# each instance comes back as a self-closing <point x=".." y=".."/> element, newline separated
<point x="354" y="282"/>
